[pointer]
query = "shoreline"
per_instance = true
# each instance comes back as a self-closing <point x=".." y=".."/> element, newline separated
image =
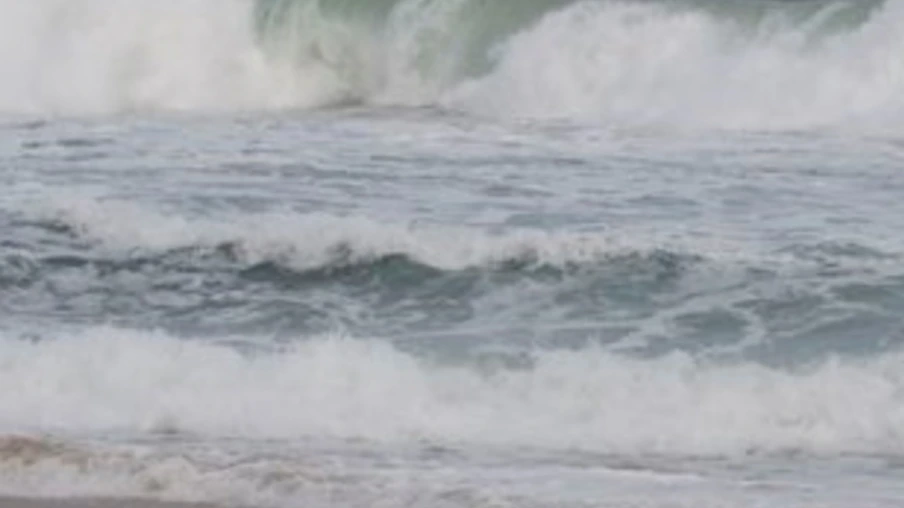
<point x="97" y="502"/>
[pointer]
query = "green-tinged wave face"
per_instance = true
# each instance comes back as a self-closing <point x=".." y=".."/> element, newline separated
<point x="434" y="43"/>
<point x="760" y="64"/>
<point x="441" y="42"/>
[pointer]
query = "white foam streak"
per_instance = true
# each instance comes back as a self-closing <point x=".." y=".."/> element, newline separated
<point x="306" y="241"/>
<point x="110" y="379"/>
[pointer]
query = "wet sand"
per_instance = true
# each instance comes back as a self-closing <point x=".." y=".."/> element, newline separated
<point x="17" y="502"/>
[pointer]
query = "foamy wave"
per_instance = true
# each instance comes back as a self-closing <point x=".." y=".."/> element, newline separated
<point x="118" y="475"/>
<point x="107" y="379"/>
<point x="647" y="63"/>
<point x="106" y="56"/>
<point x="47" y="466"/>
<point x="693" y="64"/>
<point x="308" y="241"/>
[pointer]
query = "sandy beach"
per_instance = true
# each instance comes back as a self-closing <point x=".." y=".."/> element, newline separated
<point x="18" y="502"/>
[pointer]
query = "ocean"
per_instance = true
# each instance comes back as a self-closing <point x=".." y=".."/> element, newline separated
<point x="452" y="253"/>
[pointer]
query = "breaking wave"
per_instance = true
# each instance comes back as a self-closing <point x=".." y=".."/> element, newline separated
<point x="121" y="381"/>
<point x="752" y="65"/>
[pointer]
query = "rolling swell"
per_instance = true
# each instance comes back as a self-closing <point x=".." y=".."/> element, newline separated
<point x="411" y="286"/>
<point x="309" y="288"/>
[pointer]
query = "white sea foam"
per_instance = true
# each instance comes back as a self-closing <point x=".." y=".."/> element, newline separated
<point x="304" y="241"/>
<point x="612" y="62"/>
<point x="108" y="379"/>
<point x="646" y="63"/>
<point x="106" y="56"/>
<point x="45" y="467"/>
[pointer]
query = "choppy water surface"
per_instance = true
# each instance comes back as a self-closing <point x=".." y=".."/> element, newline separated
<point x="448" y="253"/>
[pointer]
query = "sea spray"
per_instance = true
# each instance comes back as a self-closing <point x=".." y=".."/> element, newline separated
<point x="768" y="65"/>
<point x="114" y="380"/>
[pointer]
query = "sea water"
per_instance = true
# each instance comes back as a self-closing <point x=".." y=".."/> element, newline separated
<point x="453" y="253"/>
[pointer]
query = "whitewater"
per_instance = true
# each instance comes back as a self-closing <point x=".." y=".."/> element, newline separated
<point x="451" y="253"/>
<point x="764" y="64"/>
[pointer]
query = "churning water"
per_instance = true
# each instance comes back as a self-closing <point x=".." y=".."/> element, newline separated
<point x="453" y="253"/>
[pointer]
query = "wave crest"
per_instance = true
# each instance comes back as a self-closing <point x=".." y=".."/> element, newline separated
<point x="751" y="65"/>
<point x="120" y="380"/>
